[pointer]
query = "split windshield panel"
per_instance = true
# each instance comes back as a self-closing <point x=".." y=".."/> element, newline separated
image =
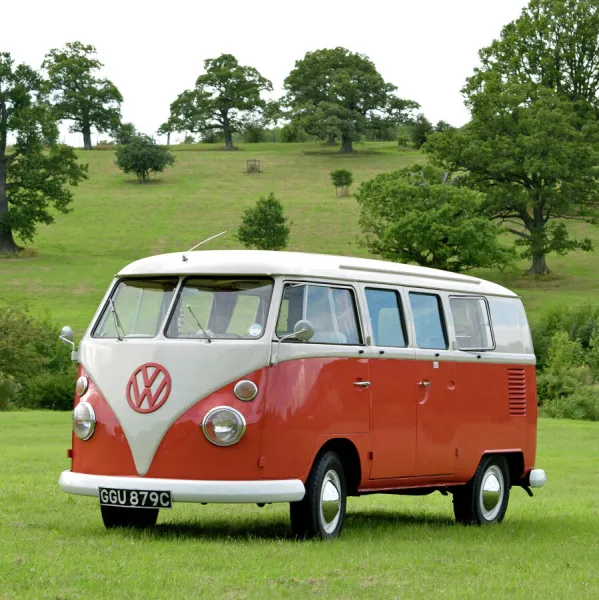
<point x="472" y="323"/>
<point x="386" y="318"/>
<point x="221" y="308"/>
<point x="331" y="310"/>
<point x="137" y="308"/>
<point x="428" y="321"/>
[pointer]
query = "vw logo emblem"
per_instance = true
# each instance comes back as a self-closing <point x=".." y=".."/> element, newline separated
<point x="148" y="388"/>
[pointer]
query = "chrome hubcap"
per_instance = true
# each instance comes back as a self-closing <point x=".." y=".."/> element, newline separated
<point x="330" y="501"/>
<point x="491" y="493"/>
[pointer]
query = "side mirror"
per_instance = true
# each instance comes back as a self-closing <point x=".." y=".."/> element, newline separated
<point x="67" y="335"/>
<point x="303" y="330"/>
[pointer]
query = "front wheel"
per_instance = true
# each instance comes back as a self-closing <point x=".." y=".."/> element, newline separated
<point x="140" y="518"/>
<point x="484" y="499"/>
<point x="321" y="513"/>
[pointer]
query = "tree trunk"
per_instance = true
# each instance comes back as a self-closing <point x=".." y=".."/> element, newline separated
<point x="228" y="138"/>
<point x="7" y="243"/>
<point x="168" y="138"/>
<point x="332" y="139"/>
<point x="346" y="144"/>
<point x="539" y="266"/>
<point x="87" y="136"/>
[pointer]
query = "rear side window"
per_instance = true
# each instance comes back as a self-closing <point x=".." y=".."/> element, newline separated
<point x="386" y="318"/>
<point x="428" y="321"/>
<point x="331" y="310"/>
<point x="471" y="323"/>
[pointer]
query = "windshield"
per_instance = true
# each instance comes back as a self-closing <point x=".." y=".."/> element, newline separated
<point x="221" y="309"/>
<point x="136" y="308"/>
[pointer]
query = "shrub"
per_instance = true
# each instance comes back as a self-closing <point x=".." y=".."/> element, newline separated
<point x="28" y="349"/>
<point x="583" y="404"/>
<point x="141" y="156"/>
<point x="264" y="227"/>
<point x="342" y="180"/>
<point x="253" y="134"/>
<point x="49" y="390"/>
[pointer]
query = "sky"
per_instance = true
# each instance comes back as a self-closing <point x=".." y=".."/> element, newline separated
<point x="152" y="50"/>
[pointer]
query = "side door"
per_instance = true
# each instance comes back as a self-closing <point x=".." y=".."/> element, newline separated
<point x="435" y="372"/>
<point x="317" y="387"/>
<point x="394" y="408"/>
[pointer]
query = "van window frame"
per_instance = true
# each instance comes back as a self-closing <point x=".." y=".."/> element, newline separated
<point x="402" y="314"/>
<point x="473" y="297"/>
<point x="442" y="315"/>
<point x="356" y="301"/>
<point x="179" y="291"/>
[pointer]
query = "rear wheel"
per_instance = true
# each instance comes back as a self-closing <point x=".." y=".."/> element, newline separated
<point x="140" y="518"/>
<point x="321" y="513"/>
<point x="484" y="499"/>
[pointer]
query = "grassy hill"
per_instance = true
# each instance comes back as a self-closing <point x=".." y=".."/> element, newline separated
<point x="116" y="220"/>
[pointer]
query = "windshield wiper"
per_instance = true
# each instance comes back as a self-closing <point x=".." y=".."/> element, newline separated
<point x="117" y="321"/>
<point x="198" y="322"/>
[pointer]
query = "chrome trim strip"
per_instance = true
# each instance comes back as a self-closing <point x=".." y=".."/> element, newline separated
<point x="183" y="490"/>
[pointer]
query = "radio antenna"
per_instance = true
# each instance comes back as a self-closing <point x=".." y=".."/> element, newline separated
<point x="203" y="242"/>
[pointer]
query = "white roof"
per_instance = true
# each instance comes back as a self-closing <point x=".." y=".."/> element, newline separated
<point x="299" y="264"/>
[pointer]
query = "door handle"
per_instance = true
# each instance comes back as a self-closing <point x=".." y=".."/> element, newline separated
<point x="424" y="384"/>
<point x="362" y="384"/>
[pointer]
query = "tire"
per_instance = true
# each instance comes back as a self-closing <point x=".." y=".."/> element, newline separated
<point x="321" y="513"/>
<point x="140" y="518"/>
<point x="484" y="499"/>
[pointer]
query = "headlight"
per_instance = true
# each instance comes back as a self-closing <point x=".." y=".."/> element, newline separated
<point x="82" y="385"/>
<point x="245" y="390"/>
<point x="84" y="420"/>
<point x="223" y="426"/>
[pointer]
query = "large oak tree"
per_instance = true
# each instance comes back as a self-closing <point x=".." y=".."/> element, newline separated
<point x="78" y="94"/>
<point x="35" y="171"/>
<point x="337" y="93"/>
<point x="532" y="144"/>
<point x="224" y="98"/>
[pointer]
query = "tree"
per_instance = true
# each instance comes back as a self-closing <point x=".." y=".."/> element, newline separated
<point x="78" y="94"/>
<point x="342" y="178"/>
<point x="124" y="133"/>
<point x="418" y="215"/>
<point x="442" y="126"/>
<point x="419" y="130"/>
<point x="36" y="172"/>
<point x="532" y="143"/>
<point x="141" y="156"/>
<point x="223" y="99"/>
<point x="264" y="226"/>
<point x="335" y="92"/>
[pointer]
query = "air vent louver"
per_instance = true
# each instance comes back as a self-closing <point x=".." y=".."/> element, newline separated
<point x="517" y="392"/>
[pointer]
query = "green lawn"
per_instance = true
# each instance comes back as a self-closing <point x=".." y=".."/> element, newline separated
<point x="116" y="220"/>
<point x="55" y="546"/>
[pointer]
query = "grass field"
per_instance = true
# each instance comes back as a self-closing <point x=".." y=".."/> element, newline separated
<point x="116" y="220"/>
<point x="55" y="546"/>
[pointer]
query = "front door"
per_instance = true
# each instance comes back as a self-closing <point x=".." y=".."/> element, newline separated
<point x="394" y="408"/>
<point x="435" y="372"/>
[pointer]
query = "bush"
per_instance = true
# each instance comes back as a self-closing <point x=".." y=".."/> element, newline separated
<point x="253" y="134"/>
<point x="293" y="133"/>
<point x="54" y="391"/>
<point x="141" y="156"/>
<point x="342" y="179"/>
<point x="583" y="404"/>
<point x="264" y="227"/>
<point x="28" y="349"/>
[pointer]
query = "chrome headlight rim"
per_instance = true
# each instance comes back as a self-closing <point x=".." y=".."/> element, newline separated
<point x="92" y="420"/>
<point x="82" y="385"/>
<point x="238" y="416"/>
<point x="245" y="382"/>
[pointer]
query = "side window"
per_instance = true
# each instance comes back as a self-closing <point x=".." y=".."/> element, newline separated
<point x="428" y="321"/>
<point x="472" y="323"/>
<point x="386" y="318"/>
<point x="331" y="310"/>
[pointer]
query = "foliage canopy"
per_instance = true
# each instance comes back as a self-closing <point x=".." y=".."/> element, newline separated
<point x="264" y="226"/>
<point x="141" y="156"/>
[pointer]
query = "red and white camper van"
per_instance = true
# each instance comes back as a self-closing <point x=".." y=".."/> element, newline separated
<point x="260" y="377"/>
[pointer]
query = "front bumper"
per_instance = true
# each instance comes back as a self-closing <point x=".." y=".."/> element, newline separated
<point x="183" y="490"/>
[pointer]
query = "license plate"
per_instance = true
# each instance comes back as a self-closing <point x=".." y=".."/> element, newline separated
<point x="135" y="498"/>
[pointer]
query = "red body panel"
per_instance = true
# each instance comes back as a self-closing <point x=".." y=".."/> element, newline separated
<point x="416" y="439"/>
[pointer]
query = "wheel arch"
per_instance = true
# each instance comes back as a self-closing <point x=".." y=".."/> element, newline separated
<point x="350" y="459"/>
<point x="515" y="462"/>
